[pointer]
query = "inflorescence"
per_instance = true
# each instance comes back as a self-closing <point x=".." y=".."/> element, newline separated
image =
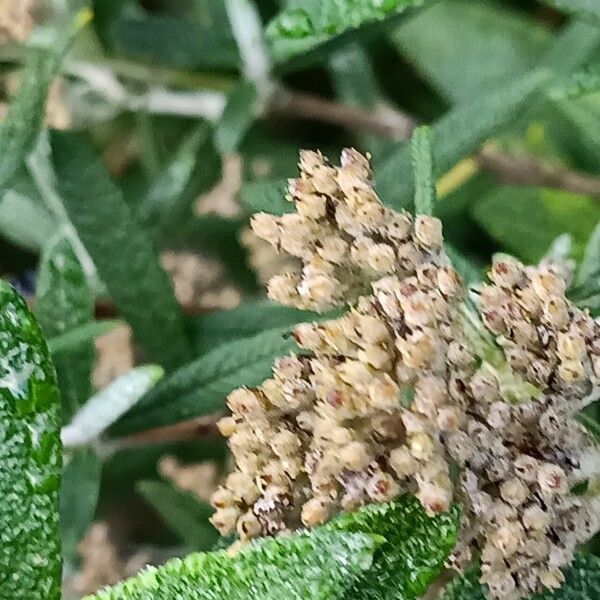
<point x="416" y="388"/>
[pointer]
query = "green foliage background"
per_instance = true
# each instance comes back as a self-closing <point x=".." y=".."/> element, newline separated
<point x="160" y="93"/>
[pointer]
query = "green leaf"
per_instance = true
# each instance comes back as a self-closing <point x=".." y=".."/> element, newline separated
<point x="250" y="318"/>
<point x="422" y="162"/>
<point x="355" y="83"/>
<point x="311" y="28"/>
<point x="122" y="251"/>
<point x="582" y="82"/>
<point x="200" y="387"/>
<point x="584" y="9"/>
<point x="78" y="498"/>
<point x="240" y="111"/>
<point x="527" y="220"/>
<point x="78" y="337"/>
<point x="23" y="121"/>
<point x="24" y="219"/>
<point x="583" y="118"/>
<point x="105" y="407"/>
<point x="582" y="582"/>
<point x="30" y="457"/>
<point x="196" y="166"/>
<point x="414" y="551"/>
<point x="319" y="566"/>
<point x="63" y="302"/>
<point x="183" y="512"/>
<point x="206" y="42"/>
<point x="478" y="46"/>
<point x="266" y="196"/>
<point x="458" y="133"/>
<point x="591" y="425"/>
<point x="589" y="268"/>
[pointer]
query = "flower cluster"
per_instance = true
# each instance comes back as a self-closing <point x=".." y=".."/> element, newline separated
<point x="410" y="382"/>
<point x="520" y="460"/>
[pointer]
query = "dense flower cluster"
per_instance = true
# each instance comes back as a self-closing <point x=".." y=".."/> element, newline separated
<point x="520" y="460"/>
<point x="410" y="382"/>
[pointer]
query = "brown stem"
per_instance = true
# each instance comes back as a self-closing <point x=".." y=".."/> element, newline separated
<point x="200" y="427"/>
<point x="529" y="170"/>
<point x="524" y="169"/>
<point x="388" y="123"/>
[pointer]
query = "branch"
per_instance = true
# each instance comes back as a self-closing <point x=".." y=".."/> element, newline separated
<point x="201" y="427"/>
<point x="524" y="169"/>
<point x="388" y="123"/>
<point x="529" y="170"/>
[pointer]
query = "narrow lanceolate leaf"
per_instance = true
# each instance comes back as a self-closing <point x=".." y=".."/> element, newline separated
<point x="527" y="220"/>
<point x="22" y="124"/>
<point x="591" y="425"/>
<point x="63" y="302"/>
<point x="200" y="387"/>
<point x="78" y="337"/>
<point x="413" y="553"/>
<point x="458" y="134"/>
<point x="251" y="318"/>
<point x="465" y="59"/>
<point x="319" y="566"/>
<point x="183" y="512"/>
<point x="582" y="582"/>
<point x="311" y="28"/>
<point x="589" y="268"/>
<point x="122" y="251"/>
<point x="241" y="110"/>
<point x="24" y="220"/>
<point x="78" y="498"/>
<point x="422" y="163"/>
<point x="30" y="457"/>
<point x="195" y="167"/>
<point x="105" y="407"/>
<point x="584" y="9"/>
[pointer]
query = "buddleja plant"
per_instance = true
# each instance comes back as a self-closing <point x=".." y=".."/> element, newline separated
<point x="398" y="428"/>
<point x="414" y="390"/>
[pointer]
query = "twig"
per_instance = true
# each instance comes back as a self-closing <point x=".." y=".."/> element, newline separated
<point x="201" y="427"/>
<point x="524" y="169"/>
<point x="529" y="170"/>
<point x="392" y="124"/>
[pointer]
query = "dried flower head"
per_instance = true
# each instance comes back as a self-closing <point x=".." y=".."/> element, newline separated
<point x="410" y="380"/>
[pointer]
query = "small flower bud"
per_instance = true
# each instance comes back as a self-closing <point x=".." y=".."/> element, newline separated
<point x="224" y="520"/>
<point x="355" y="456"/>
<point x="421" y="446"/>
<point x="448" y="418"/>
<point x="381" y="258"/>
<point x="402" y="461"/>
<point x="226" y="426"/>
<point x="242" y="487"/>
<point x="315" y="512"/>
<point x="382" y="487"/>
<point x="526" y="467"/>
<point x="547" y="284"/>
<point x="506" y="271"/>
<point x="552" y="578"/>
<point x="248" y="525"/>
<point x="535" y="518"/>
<point x="552" y="479"/>
<point x="449" y="282"/>
<point x="222" y="498"/>
<point x="428" y="231"/>
<point x="266" y="227"/>
<point x="514" y="491"/>
<point x="555" y="312"/>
